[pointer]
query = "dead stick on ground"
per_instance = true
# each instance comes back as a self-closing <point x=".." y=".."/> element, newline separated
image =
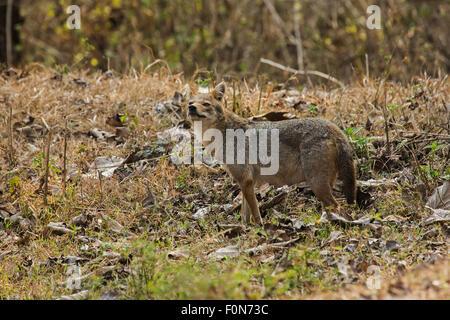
<point x="386" y="124"/>
<point x="375" y="103"/>
<point x="311" y="72"/>
<point x="47" y="161"/>
<point x="99" y="175"/>
<point x="65" y="160"/>
<point x="385" y="111"/>
<point x="367" y="67"/>
<point x="234" y="97"/>
<point x="419" y="169"/>
<point x="10" y="129"/>
<point x="260" y="94"/>
<point x="100" y="183"/>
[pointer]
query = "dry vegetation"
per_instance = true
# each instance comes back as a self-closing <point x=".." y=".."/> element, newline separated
<point x="137" y="233"/>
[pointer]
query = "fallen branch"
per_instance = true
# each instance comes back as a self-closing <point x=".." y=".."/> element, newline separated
<point x="307" y="72"/>
<point x="274" y="201"/>
<point x="267" y="246"/>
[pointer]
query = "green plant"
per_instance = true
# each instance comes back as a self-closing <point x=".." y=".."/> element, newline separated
<point x="13" y="186"/>
<point x="360" y="143"/>
<point x="39" y="163"/>
<point x="203" y="82"/>
<point x="361" y="146"/>
<point x="430" y="169"/>
<point x="435" y="147"/>
<point x="313" y="109"/>
<point x="181" y="182"/>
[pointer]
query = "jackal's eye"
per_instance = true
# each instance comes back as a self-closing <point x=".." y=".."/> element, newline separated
<point x="207" y="104"/>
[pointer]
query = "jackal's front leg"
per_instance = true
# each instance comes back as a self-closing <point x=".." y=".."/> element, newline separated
<point x="245" y="211"/>
<point x="248" y="192"/>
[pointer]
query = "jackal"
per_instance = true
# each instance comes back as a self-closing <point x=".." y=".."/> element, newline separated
<point x="311" y="149"/>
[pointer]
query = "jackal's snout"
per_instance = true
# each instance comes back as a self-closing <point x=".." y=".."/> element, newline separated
<point x="194" y="112"/>
<point x="191" y="108"/>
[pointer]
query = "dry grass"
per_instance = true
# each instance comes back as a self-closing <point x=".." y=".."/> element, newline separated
<point x="33" y="259"/>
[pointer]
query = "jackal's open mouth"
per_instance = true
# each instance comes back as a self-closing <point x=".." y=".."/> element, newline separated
<point x="194" y="114"/>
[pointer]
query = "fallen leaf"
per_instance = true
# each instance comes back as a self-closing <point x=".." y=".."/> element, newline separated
<point x="352" y="245"/>
<point x="440" y="199"/>
<point x="112" y="224"/>
<point x="201" y="213"/>
<point x="298" y="224"/>
<point x="230" y="251"/>
<point x="372" y="183"/>
<point x="177" y="254"/>
<point x="333" y="217"/>
<point x="72" y="260"/>
<point x="106" y="165"/>
<point x="5" y="253"/>
<point x="149" y="199"/>
<point x="439" y="215"/>
<point x="76" y="296"/>
<point x="111" y="255"/>
<point x="334" y="236"/>
<point x="392" y="245"/>
<point x="100" y="134"/>
<point x="57" y="228"/>
<point x="80" y="220"/>
<point x="264" y="247"/>
<point x="232" y="230"/>
<point x="19" y="222"/>
<point x="31" y="131"/>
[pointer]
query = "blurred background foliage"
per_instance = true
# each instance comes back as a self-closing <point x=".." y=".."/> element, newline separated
<point x="229" y="37"/>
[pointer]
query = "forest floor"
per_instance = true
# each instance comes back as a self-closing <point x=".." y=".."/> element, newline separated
<point x="129" y="223"/>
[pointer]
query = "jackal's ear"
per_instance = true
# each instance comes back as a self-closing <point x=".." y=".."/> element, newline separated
<point x="219" y="91"/>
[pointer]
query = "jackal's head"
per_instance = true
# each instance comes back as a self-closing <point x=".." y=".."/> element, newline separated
<point x="207" y="107"/>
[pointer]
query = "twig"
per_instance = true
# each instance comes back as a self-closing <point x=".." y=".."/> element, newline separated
<point x="448" y="116"/>
<point x="260" y="95"/>
<point x="10" y="129"/>
<point x="8" y="32"/>
<point x="367" y="67"/>
<point x="279" y="21"/>
<point x="298" y="40"/>
<point x="419" y="169"/>
<point x="47" y="160"/>
<point x="386" y="125"/>
<point x="234" y="97"/>
<point x="158" y="61"/>
<point x="292" y="70"/>
<point x="65" y="160"/>
<point x="100" y="182"/>
<point x="45" y="124"/>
